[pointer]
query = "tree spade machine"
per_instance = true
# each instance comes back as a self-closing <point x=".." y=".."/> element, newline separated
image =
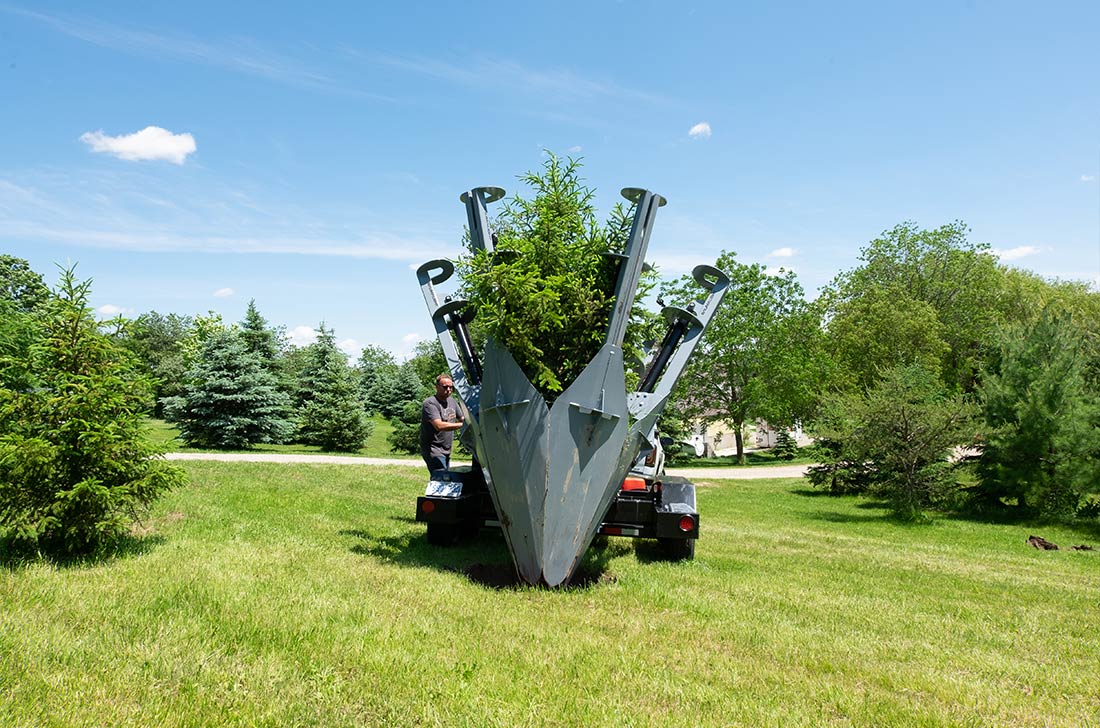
<point x="552" y="478"/>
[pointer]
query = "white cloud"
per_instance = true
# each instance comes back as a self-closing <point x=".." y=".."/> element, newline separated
<point x="700" y="131"/>
<point x="782" y="253"/>
<point x="1088" y="178"/>
<point x="224" y="293"/>
<point x="350" y="347"/>
<point x="576" y="148"/>
<point x="410" y="338"/>
<point x="151" y="143"/>
<point x="111" y="310"/>
<point x="302" y="335"/>
<point x="1016" y="253"/>
<point x="775" y="271"/>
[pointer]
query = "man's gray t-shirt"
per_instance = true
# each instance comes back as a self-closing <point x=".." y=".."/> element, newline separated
<point x="436" y="442"/>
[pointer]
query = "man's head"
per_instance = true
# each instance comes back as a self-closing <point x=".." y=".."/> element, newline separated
<point x="444" y="385"/>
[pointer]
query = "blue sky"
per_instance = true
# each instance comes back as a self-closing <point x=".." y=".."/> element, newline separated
<point x="193" y="156"/>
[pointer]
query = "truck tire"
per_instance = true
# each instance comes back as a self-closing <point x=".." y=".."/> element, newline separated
<point x="678" y="549"/>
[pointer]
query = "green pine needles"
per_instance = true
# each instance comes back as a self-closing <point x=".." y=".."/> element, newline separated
<point x="75" y="467"/>
<point x="331" y="415"/>
<point x="547" y="293"/>
<point x="232" y="400"/>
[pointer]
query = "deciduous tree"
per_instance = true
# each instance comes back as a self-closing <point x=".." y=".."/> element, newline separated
<point x="935" y="276"/>
<point x="761" y="356"/>
<point x="160" y="342"/>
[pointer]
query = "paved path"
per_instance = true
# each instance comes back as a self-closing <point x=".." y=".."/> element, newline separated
<point x="754" y="473"/>
<point x="760" y="471"/>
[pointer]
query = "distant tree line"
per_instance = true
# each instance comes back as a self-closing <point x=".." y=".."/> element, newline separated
<point x="932" y="375"/>
<point x="235" y="386"/>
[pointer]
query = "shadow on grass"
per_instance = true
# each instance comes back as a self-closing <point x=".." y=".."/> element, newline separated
<point x="811" y="493"/>
<point x="1089" y="529"/>
<point x="990" y="515"/>
<point x="838" y="517"/>
<point x="646" y="551"/>
<point x="481" y="558"/>
<point x="123" y="547"/>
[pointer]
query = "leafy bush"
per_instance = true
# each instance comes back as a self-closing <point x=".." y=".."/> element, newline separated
<point x="405" y="436"/>
<point x="75" y="467"/>
<point x="896" y="439"/>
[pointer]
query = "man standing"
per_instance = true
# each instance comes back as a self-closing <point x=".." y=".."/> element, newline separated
<point x="439" y="418"/>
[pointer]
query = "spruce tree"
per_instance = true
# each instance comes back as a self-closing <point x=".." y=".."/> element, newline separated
<point x="785" y="446"/>
<point x="1043" y="441"/>
<point x="404" y="388"/>
<point x="376" y="368"/>
<point x="331" y="415"/>
<point x="231" y="401"/>
<point x="258" y="337"/>
<point x="75" y="466"/>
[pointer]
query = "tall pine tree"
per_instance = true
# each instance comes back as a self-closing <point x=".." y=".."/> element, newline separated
<point x="75" y="465"/>
<point x="1043" y="441"/>
<point x="232" y="401"/>
<point x="331" y="414"/>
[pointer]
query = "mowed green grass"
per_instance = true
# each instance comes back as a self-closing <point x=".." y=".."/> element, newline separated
<point x="266" y="594"/>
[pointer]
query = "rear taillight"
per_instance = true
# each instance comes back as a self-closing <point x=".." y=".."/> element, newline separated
<point x="427" y="507"/>
<point x="687" y="523"/>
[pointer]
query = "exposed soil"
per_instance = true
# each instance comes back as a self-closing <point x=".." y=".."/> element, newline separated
<point x="503" y="576"/>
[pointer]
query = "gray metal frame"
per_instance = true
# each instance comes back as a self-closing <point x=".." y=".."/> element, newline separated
<point x="553" y="472"/>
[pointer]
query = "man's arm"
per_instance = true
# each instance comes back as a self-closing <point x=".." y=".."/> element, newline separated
<point x="441" y="426"/>
<point x="434" y="412"/>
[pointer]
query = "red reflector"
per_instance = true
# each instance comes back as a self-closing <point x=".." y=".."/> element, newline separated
<point x="612" y="531"/>
<point x="687" y="523"/>
<point x="427" y="506"/>
<point x="634" y="484"/>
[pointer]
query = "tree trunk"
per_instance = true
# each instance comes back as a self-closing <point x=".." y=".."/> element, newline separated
<point x="739" y="438"/>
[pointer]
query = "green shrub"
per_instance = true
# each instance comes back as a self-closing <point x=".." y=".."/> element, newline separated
<point x="547" y="294"/>
<point x="75" y="466"/>
<point x="406" y="429"/>
<point x="785" y="446"/>
<point x="895" y="440"/>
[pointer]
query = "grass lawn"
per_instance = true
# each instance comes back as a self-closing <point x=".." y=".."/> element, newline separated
<point x="376" y="446"/>
<point x="266" y="594"/>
